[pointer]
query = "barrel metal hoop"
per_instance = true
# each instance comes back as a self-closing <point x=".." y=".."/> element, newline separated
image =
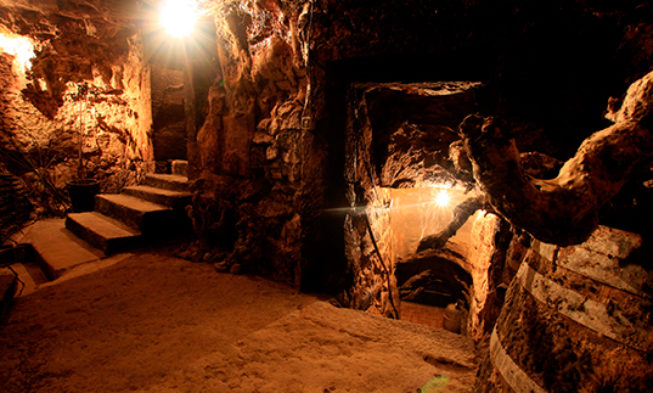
<point x="587" y="312"/>
<point x="514" y="376"/>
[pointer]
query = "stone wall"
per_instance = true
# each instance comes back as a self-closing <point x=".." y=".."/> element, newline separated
<point x="168" y="120"/>
<point x="250" y="179"/>
<point x="371" y="258"/>
<point x="271" y="153"/>
<point x="490" y="237"/>
<point x="43" y="120"/>
<point x="369" y="237"/>
<point x="415" y="214"/>
<point x="397" y="153"/>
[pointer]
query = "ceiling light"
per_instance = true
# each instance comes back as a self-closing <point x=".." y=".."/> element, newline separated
<point x="178" y="17"/>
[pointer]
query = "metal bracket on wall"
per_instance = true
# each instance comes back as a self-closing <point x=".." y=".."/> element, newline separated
<point x="307" y="123"/>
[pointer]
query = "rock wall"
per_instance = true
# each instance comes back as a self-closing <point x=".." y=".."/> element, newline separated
<point x="249" y="183"/>
<point x="168" y="118"/>
<point x="484" y="249"/>
<point x="395" y="137"/>
<point x="371" y="258"/>
<point x="369" y="237"/>
<point x="44" y="121"/>
<point x="415" y="214"/>
<point x="272" y="152"/>
<point x="490" y="238"/>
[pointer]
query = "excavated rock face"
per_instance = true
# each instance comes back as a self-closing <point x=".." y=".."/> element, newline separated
<point x="398" y="135"/>
<point x="73" y="45"/>
<point x="168" y="117"/>
<point x="271" y="153"/>
<point x="266" y="139"/>
<point x="414" y="126"/>
<point x="249" y="148"/>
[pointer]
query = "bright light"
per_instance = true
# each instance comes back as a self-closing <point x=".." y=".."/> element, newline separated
<point x="19" y="47"/>
<point x="178" y="17"/>
<point x="442" y="199"/>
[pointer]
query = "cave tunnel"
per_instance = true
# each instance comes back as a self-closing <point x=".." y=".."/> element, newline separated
<point x="325" y="196"/>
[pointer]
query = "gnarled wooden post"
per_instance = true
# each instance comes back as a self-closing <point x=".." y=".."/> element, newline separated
<point x="563" y="210"/>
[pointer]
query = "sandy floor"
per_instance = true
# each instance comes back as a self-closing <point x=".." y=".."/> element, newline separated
<point x="151" y="323"/>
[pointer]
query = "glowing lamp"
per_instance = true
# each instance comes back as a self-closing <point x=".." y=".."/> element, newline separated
<point x="442" y="199"/>
<point x="178" y="17"/>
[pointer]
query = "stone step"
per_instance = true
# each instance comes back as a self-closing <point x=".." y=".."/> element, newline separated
<point x="103" y="232"/>
<point x="167" y="181"/>
<point x="30" y="276"/>
<point x="161" y="196"/>
<point x="179" y="167"/>
<point x="145" y="216"/>
<point x="58" y="249"/>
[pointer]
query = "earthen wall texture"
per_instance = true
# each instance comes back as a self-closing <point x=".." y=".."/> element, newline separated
<point x="271" y="153"/>
<point x="45" y="123"/>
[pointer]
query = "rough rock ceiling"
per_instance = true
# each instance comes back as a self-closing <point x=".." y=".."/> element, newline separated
<point x="73" y="41"/>
<point x="98" y="10"/>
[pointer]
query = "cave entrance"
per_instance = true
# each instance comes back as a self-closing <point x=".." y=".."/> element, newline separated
<point x="405" y="180"/>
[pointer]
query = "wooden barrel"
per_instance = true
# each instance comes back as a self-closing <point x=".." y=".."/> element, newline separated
<point x="575" y="319"/>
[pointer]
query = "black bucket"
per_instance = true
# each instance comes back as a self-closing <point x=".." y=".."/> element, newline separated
<point x="82" y="194"/>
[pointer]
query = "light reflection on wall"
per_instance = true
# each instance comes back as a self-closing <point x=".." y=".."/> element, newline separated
<point x="423" y="211"/>
<point x="21" y="48"/>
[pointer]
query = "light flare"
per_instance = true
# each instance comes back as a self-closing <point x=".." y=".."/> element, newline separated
<point x="178" y="17"/>
<point x="21" y="48"/>
<point x="443" y="198"/>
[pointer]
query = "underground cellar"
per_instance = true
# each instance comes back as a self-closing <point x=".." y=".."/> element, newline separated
<point x="328" y="196"/>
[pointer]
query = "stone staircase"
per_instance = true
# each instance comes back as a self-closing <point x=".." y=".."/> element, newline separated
<point x="139" y="214"/>
<point x="49" y="249"/>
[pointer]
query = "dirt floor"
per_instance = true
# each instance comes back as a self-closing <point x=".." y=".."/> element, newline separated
<point x="152" y="323"/>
